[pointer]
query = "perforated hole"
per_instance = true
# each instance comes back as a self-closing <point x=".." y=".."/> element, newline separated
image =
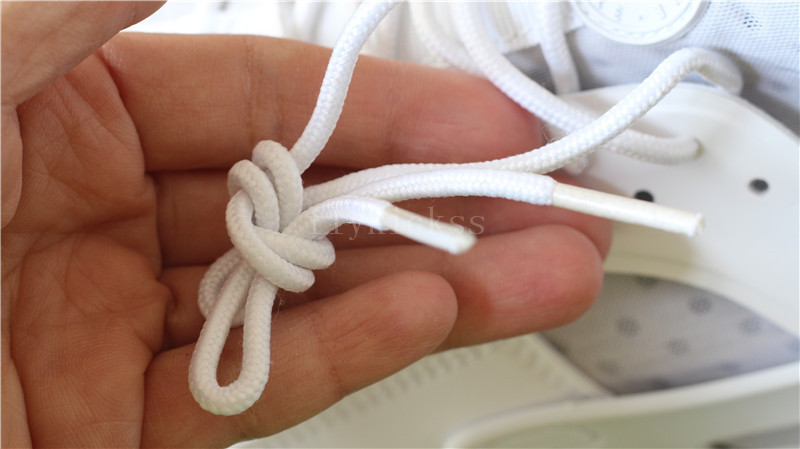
<point x="751" y="23"/>
<point x="644" y="195"/>
<point x="646" y="281"/>
<point x="759" y="186"/>
<point x="678" y="347"/>
<point x="750" y="325"/>
<point x="700" y="305"/>
<point x="627" y="326"/>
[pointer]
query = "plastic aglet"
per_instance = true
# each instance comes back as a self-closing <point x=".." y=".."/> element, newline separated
<point x="445" y="236"/>
<point x="627" y="210"/>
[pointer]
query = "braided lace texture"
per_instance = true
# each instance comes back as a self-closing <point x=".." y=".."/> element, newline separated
<point x="279" y="229"/>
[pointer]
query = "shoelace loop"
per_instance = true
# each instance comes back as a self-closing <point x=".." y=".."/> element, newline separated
<point x="277" y="244"/>
<point x="240" y="287"/>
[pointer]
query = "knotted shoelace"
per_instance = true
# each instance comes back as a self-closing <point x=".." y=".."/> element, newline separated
<point x="279" y="229"/>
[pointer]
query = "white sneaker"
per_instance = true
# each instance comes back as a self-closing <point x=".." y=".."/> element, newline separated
<point x="693" y="342"/>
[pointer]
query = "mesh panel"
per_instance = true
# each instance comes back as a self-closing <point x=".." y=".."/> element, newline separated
<point x="646" y="334"/>
<point x="760" y="37"/>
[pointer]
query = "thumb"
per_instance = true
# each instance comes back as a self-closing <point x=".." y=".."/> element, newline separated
<point x="43" y="40"/>
<point x="40" y="42"/>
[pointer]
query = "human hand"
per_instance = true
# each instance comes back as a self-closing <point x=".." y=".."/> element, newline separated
<point x="114" y="171"/>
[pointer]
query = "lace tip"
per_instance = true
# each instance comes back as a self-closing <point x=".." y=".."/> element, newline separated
<point x="627" y="210"/>
<point x="448" y="237"/>
<point x="698" y="227"/>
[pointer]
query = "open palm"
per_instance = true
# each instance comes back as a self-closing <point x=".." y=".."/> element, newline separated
<point x="113" y="207"/>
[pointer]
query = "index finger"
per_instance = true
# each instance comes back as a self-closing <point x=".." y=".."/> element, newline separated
<point x="202" y="102"/>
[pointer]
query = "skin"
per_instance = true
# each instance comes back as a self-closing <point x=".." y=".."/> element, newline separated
<point x="114" y="157"/>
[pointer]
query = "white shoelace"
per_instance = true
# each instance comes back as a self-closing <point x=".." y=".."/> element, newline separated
<point x="279" y="229"/>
